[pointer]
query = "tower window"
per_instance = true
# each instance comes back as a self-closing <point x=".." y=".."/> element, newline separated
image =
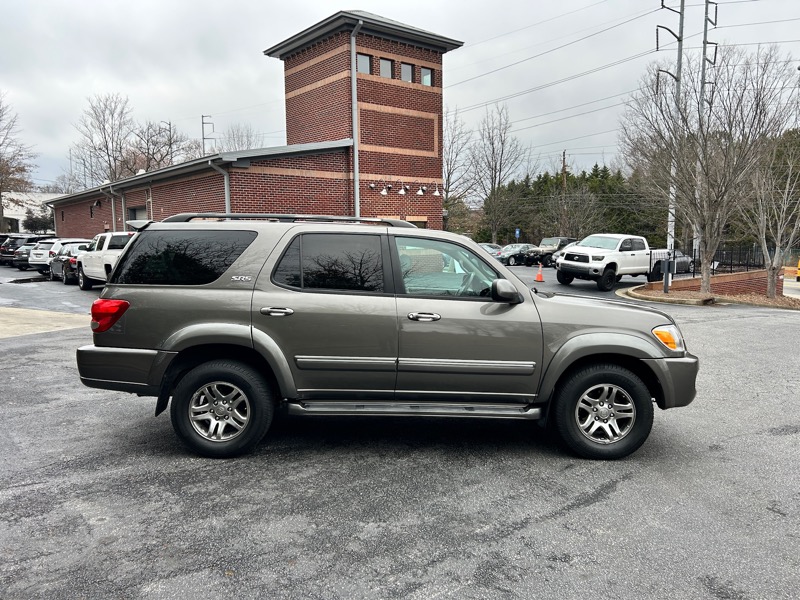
<point x="407" y="72"/>
<point x="426" y="76"/>
<point x="364" y="63"/>
<point x="386" y="67"/>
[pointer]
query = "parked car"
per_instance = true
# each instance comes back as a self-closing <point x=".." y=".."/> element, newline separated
<point x="493" y="249"/>
<point x="65" y="265"/>
<point x="14" y="241"/>
<point x="514" y="254"/>
<point x="21" y="255"/>
<point x="543" y="253"/>
<point x="683" y="263"/>
<point x="237" y="319"/>
<point x="46" y="250"/>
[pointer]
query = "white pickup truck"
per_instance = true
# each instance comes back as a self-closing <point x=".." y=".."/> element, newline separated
<point x="95" y="265"/>
<point x="606" y="257"/>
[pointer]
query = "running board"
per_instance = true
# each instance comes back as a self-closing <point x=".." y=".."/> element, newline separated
<point x="410" y="409"/>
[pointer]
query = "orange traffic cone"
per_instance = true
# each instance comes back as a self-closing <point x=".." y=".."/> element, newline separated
<point x="539" y="274"/>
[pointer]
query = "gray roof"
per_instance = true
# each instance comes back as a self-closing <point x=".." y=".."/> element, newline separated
<point x="238" y="158"/>
<point x="346" y="20"/>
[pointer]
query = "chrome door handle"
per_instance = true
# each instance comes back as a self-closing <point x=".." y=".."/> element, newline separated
<point x="414" y="316"/>
<point x="272" y="311"/>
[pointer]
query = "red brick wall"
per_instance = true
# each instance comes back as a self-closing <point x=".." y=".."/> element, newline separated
<point x="729" y="284"/>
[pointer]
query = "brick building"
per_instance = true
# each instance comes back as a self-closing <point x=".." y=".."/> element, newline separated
<point x="353" y="67"/>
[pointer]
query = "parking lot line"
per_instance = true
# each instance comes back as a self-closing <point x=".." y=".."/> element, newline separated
<point x="23" y="321"/>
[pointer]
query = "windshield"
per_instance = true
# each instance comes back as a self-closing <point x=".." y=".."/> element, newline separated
<point x="549" y="242"/>
<point x="512" y="247"/>
<point x="600" y="241"/>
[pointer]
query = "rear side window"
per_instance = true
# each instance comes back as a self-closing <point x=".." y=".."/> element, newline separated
<point x="118" y="242"/>
<point x="181" y="257"/>
<point x="341" y="262"/>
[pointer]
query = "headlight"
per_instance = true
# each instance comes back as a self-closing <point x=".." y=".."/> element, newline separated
<point x="670" y="336"/>
<point x="597" y="258"/>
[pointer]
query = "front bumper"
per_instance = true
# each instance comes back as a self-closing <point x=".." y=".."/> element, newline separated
<point x="123" y="369"/>
<point x="678" y="377"/>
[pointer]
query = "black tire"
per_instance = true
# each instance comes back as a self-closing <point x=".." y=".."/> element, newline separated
<point x="582" y="401"/>
<point x="511" y="261"/>
<point x="65" y="278"/>
<point x="21" y="268"/>
<point x="607" y="280"/>
<point x="83" y="281"/>
<point x="51" y="275"/>
<point x="546" y="260"/>
<point x="619" y="278"/>
<point x="229" y="380"/>
<point x="563" y="278"/>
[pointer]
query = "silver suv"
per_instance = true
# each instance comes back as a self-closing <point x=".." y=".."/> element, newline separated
<point x="236" y="316"/>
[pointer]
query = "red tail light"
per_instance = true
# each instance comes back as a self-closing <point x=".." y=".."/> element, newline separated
<point x="73" y="261"/>
<point x="52" y="254"/>
<point x="107" y="312"/>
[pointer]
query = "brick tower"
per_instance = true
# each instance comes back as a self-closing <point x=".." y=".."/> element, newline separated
<point x="395" y="98"/>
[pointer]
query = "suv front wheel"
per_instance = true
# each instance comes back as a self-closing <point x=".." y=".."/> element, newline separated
<point x="603" y="411"/>
<point x="222" y="408"/>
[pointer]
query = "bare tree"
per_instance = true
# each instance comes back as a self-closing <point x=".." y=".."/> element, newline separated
<point x="772" y="208"/>
<point x="105" y="128"/>
<point x="239" y="137"/>
<point x="496" y="157"/>
<point x="712" y="147"/>
<point x="457" y="179"/>
<point x="576" y="213"/>
<point x="153" y="146"/>
<point x="16" y="159"/>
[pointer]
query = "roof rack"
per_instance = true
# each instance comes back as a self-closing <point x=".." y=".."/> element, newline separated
<point x="282" y="218"/>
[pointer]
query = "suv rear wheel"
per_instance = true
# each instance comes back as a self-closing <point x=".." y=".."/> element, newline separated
<point x="603" y="411"/>
<point x="222" y="408"/>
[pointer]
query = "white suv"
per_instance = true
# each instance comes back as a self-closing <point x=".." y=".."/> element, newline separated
<point x="46" y="250"/>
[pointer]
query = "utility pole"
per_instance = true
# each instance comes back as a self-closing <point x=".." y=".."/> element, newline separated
<point x="676" y="116"/>
<point x="701" y="114"/>
<point x="562" y="225"/>
<point x="203" y="130"/>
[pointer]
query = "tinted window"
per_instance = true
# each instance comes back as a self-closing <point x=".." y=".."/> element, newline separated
<point x="638" y="244"/>
<point x="426" y="76"/>
<point x="118" y="242"/>
<point x="44" y="245"/>
<point x="181" y="257"/>
<point x="345" y="262"/>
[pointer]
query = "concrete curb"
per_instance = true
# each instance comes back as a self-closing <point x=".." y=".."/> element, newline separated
<point x="631" y="293"/>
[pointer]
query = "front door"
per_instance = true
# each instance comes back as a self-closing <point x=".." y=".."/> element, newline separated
<point x="456" y="344"/>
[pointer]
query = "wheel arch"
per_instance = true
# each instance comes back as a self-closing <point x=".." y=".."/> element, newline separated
<point x="629" y="352"/>
<point x="198" y="345"/>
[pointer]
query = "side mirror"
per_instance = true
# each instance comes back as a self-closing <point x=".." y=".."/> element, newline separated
<point x="504" y="291"/>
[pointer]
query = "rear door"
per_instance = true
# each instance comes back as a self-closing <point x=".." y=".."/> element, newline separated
<point x="456" y="344"/>
<point x="327" y="302"/>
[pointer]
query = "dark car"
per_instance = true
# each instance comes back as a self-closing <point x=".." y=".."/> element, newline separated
<point x="65" y="264"/>
<point x="14" y="241"/>
<point x="543" y="253"/>
<point x="514" y="254"/>
<point x="21" y="256"/>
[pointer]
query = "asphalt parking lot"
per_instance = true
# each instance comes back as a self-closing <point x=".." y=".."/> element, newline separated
<point x="98" y="499"/>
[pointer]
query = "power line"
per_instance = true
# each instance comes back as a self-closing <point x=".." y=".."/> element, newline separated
<point x="586" y="37"/>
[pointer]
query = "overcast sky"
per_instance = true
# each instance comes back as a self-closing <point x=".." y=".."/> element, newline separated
<point x="176" y="60"/>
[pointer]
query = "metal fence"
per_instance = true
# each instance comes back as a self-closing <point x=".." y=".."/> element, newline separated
<point x="727" y="259"/>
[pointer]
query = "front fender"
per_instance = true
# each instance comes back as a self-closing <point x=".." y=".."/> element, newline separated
<point x="597" y="345"/>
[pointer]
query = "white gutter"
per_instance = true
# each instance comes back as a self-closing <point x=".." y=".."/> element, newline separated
<point x="354" y="105"/>
<point x="227" y="178"/>
<point x="110" y="196"/>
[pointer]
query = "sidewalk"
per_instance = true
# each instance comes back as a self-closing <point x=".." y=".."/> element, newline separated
<point x="24" y="321"/>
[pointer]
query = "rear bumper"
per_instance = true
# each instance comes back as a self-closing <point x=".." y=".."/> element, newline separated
<point x="123" y="369"/>
<point x="678" y="377"/>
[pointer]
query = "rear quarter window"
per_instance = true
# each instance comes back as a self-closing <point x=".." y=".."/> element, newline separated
<point x="189" y="257"/>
